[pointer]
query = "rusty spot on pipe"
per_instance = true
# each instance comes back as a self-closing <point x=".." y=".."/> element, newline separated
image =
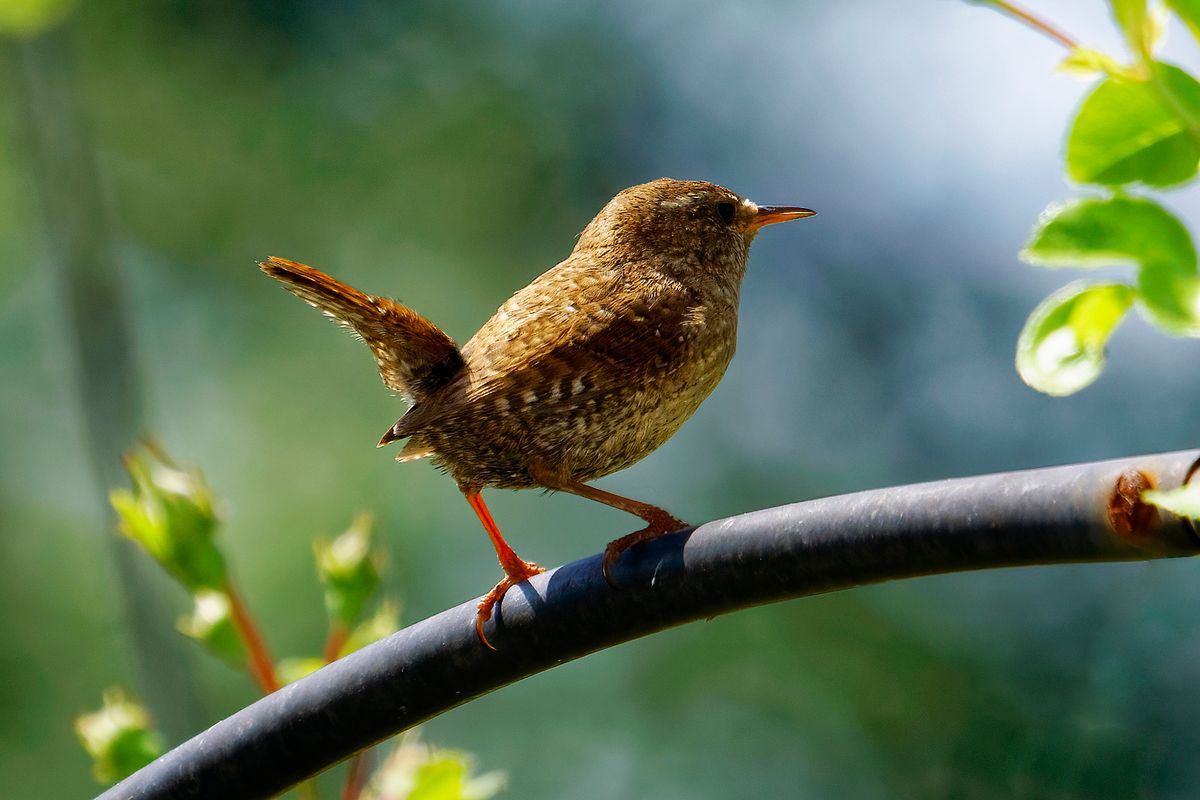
<point x="1193" y="526"/>
<point x="1127" y="514"/>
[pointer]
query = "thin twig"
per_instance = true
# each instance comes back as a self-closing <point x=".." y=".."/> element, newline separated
<point x="262" y="669"/>
<point x="356" y="775"/>
<point x="338" y="634"/>
<point x="1038" y="24"/>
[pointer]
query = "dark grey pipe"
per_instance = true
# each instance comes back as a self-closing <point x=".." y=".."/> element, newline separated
<point x="1088" y="512"/>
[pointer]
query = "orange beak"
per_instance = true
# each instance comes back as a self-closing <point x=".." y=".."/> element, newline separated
<point x="769" y="215"/>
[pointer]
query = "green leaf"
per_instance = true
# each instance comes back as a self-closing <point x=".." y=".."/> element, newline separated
<point x="1061" y="349"/>
<point x="415" y="771"/>
<point x="211" y="624"/>
<point x="1170" y="295"/>
<point x="1189" y="12"/>
<point x="118" y="738"/>
<point x="170" y="514"/>
<point x="31" y="17"/>
<point x="1086" y="62"/>
<point x="383" y="623"/>
<point x="1183" y="501"/>
<point x="1127" y="131"/>
<point x="1131" y="16"/>
<point x="1097" y="231"/>
<point x="291" y="670"/>
<point x="349" y="568"/>
<point x="1101" y="231"/>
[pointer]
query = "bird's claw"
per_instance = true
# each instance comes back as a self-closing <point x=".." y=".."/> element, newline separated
<point x="519" y="573"/>
<point x="615" y="548"/>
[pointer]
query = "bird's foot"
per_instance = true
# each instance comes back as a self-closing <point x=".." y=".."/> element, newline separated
<point x="657" y="527"/>
<point x="515" y="572"/>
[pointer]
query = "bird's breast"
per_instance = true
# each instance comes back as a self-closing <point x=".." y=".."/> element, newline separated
<point x="600" y="402"/>
<point x="642" y="406"/>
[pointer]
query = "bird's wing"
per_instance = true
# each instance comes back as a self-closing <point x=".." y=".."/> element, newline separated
<point x="566" y="337"/>
<point x="575" y="321"/>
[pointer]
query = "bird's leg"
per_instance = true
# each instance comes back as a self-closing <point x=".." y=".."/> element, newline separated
<point x="658" y="520"/>
<point x="515" y="568"/>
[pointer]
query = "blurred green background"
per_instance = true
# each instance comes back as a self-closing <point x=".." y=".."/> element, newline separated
<point x="446" y="153"/>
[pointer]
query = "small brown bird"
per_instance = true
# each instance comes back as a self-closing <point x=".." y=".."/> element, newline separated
<point x="585" y="371"/>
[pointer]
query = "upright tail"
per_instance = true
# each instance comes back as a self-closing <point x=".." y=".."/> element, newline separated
<point x="415" y="357"/>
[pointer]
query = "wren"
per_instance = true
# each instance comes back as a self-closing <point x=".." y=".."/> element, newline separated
<point x="585" y="371"/>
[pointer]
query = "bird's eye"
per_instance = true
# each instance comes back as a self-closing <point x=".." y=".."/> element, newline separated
<point x="727" y="210"/>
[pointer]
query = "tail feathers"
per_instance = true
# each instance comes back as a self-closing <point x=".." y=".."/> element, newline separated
<point x="414" y="450"/>
<point x="414" y="356"/>
<point x="392" y="435"/>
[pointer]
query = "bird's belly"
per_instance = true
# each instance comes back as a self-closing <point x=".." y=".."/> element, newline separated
<point x="619" y="420"/>
<point x="626" y="426"/>
<point x="632" y="417"/>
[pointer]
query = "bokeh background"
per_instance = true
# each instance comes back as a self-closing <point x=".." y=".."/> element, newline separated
<point x="446" y="153"/>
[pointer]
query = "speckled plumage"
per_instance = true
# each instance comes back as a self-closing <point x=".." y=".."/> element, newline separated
<point x="589" y="368"/>
<point x="597" y="362"/>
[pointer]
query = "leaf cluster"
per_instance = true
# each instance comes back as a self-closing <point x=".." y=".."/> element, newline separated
<point x="170" y="513"/>
<point x="1138" y="129"/>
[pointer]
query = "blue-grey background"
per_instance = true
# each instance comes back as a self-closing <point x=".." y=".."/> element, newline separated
<point x="446" y="153"/>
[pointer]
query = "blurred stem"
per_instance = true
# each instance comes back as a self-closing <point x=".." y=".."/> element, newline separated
<point x="1038" y="24"/>
<point x="261" y="667"/>
<point x="338" y="634"/>
<point x="91" y="307"/>
<point x="356" y="775"/>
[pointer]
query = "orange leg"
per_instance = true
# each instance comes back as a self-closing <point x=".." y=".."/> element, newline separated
<point x="515" y="568"/>
<point x="658" y="520"/>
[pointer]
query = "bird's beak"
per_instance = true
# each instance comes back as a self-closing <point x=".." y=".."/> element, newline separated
<point x="769" y="215"/>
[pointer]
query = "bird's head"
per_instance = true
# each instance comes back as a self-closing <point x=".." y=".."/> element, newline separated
<point x="686" y="225"/>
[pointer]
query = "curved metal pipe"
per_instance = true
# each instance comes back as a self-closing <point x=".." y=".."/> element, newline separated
<point x="1082" y="513"/>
